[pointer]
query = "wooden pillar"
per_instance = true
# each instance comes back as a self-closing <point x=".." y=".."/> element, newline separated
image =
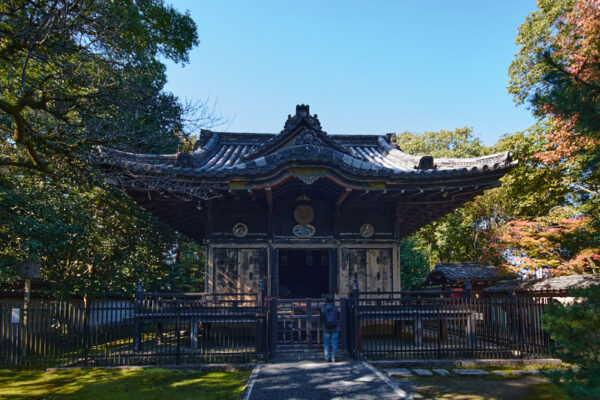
<point x="396" y="265"/>
<point x="209" y="283"/>
<point x="343" y="278"/>
<point x="271" y="259"/>
<point x="333" y="271"/>
<point x="396" y="268"/>
<point x="270" y="268"/>
<point x="275" y="272"/>
<point x="209" y="272"/>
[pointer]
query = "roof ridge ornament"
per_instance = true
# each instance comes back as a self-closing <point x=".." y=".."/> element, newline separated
<point x="301" y="129"/>
<point x="303" y="115"/>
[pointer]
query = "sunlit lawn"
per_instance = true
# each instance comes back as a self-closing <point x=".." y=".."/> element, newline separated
<point x="115" y="384"/>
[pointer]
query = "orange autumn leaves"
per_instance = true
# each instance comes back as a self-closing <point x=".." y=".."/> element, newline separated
<point x="577" y="44"/>
<point x="557" y="245"/>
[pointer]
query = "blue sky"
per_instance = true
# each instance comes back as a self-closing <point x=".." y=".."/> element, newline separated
<point x="365" y="67"/>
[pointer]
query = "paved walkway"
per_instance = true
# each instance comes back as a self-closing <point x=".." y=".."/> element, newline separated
<point x="314" y="380"/>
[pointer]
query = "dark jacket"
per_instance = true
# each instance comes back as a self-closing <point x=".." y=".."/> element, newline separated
<point x="337" y="318"/>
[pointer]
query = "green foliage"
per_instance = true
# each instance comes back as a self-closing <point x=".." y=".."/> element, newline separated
<point x="530" y="189"/>
<point x="534" y="38"/>
<point x="557" y="72"/>
<point x="89" y="240"/>
<point x="575" y="332"/>
<point x="187" y="268"/>
<point x="414" y="262"/>
<point x="458" y="236"/>
<point x="78" y="74"/>
<point x="74" y="75"/>
<point x="460" y="142"/>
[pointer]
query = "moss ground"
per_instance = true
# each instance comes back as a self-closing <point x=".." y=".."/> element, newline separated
<point x="116" y="384"/>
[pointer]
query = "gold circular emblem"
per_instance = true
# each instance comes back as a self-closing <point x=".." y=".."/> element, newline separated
<point x="303" y="214"/>
<point x="367" y="230"/>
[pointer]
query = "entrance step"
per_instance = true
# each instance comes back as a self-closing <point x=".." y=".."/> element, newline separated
<point x="305" y="354"/>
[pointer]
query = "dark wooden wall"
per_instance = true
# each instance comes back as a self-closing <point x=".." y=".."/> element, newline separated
<point x="237" y="264"/>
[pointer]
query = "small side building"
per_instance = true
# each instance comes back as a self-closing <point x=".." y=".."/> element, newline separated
<point x="456" y="274"/>
<point x="555" y="286"/>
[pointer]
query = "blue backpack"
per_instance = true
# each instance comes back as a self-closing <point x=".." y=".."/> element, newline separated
<point x="330" y="317"/>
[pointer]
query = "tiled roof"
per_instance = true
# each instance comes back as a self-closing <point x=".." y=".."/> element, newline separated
<point x="448" y="273"/>
<point x="558" y="283"/>
<point x="223" y="154"/>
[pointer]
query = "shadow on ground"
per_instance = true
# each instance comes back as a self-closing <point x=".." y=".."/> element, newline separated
<point x="475" y="388"/>
<point x="308" y="380"/>
<point x="118" y="384"/>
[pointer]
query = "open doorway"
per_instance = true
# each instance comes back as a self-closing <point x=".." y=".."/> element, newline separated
<point x="303" y="273"/>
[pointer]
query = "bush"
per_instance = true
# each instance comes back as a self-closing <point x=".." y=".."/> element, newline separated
<point x="575" y="333"/>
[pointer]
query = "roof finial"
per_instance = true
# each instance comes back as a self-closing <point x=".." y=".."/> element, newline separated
<point x="303" y="110"/>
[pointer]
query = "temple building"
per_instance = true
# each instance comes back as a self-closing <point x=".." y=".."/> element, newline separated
<point x="305" y="211"/>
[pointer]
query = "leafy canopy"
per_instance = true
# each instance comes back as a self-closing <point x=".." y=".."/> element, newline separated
<point x="76" y="73"/>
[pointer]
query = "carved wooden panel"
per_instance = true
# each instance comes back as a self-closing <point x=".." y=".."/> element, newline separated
<point x="239" y="270"/>
<point x="226" y="270"/>
<point x="358" y="267"/>
<point x="344" y="280"/>
<point x="249" y="270"/>
<point x="379" y="267"/>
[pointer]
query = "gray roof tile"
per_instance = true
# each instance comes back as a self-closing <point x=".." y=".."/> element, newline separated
<point x="221" y="153"/>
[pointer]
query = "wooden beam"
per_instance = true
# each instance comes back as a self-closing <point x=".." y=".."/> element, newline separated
<point x="417" y="193"/>
<point x="394" y="195"/>
<point x="269" y="196"/>
<point x="342" y="197"/>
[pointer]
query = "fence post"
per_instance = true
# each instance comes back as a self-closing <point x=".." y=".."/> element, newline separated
<point x="261" y="293"/>
<point x="25" y="317"/>
<point x="15" y="321"/>
<point x="467" y="290"/>
<point x="513" y="306"/>
<point x="86" y="327"/>
<point x="137" y="334"/>
<point x="178" y="330"/>
<point x="355" y="321"/>
<point x="273" y="325"/>
<point x="261" y="326"/>
<point x="344" y="312"/>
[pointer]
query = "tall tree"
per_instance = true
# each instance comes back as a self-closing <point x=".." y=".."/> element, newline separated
<point x="557" y="72"/>
<point x="75" y="74"/>
<point x="471" y="233"/>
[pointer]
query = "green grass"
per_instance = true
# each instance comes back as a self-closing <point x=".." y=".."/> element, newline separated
<point x="119" y="384"/>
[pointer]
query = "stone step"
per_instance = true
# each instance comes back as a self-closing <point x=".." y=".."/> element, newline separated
<point x="300" y="354"/>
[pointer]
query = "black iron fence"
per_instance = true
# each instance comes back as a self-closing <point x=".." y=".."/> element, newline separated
<point x="418" y="326"/>
<point x="152" y="329"/>
<point x="176" y="328"/>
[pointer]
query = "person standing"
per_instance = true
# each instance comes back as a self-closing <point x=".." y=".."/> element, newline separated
<point x="331" y="328"/>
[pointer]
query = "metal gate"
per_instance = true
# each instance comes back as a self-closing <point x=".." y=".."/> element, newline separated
<point x="295" y="323"/>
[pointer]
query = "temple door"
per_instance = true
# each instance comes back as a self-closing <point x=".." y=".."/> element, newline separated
<point x="372" y="268"/>
<point x="251" y="269"/>
<point x="226" y="262"/>
<point x="379" y="267"/>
